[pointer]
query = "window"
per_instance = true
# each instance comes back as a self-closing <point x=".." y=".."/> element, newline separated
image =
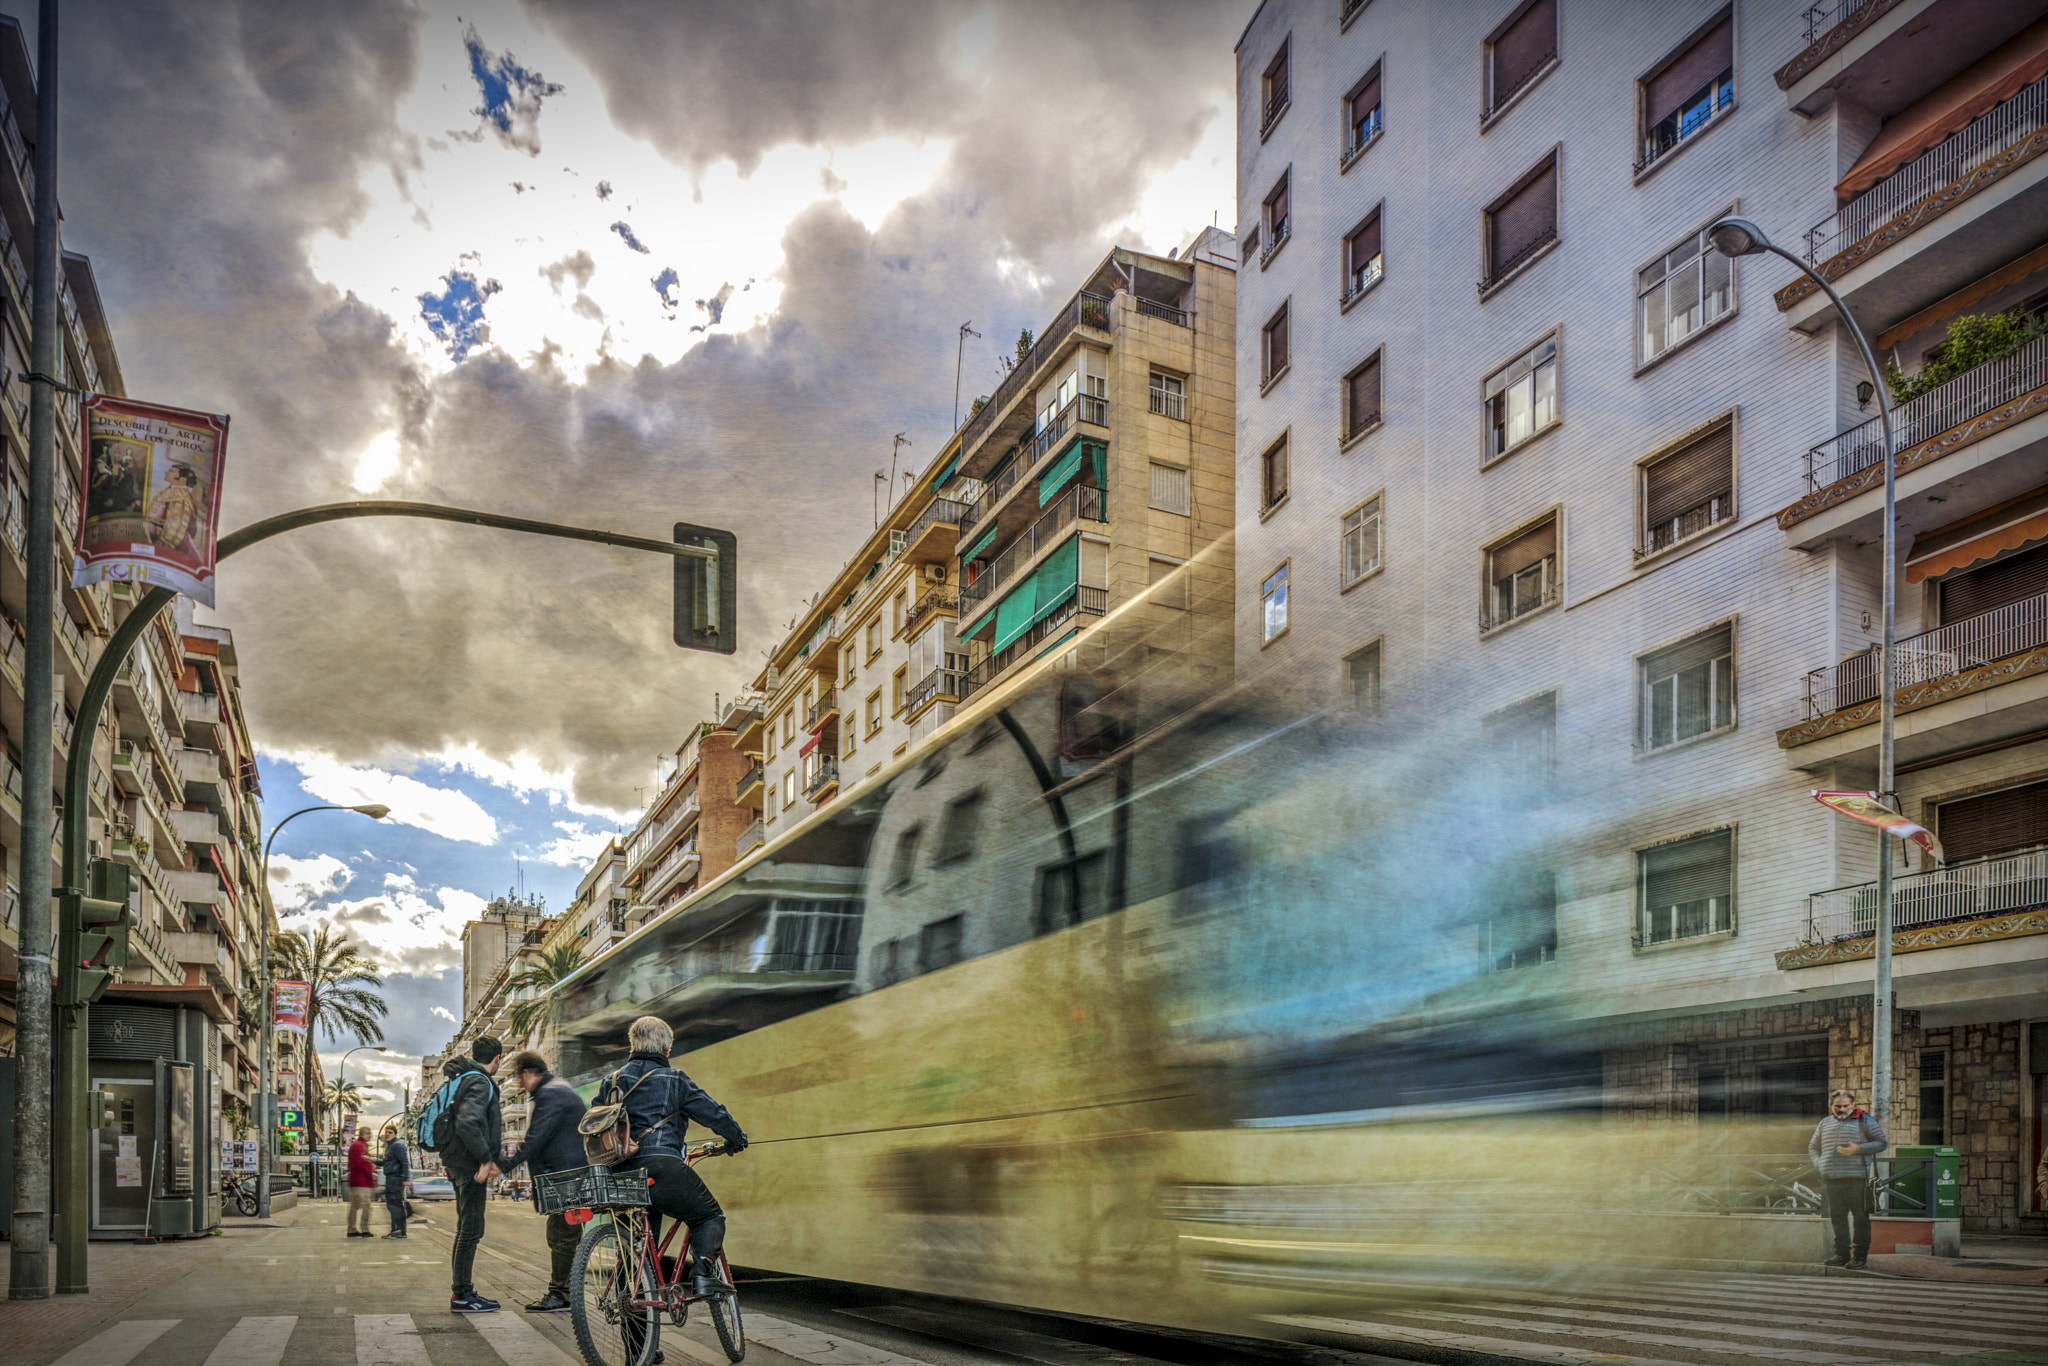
<point x="1362" y="115"/>
<point x="874" y="711"/>
<point x="1071" y="892"/>
<point x="1362" y="398"/>
<point x="1092" y="568"/>
<point x="1684" y="92"/>
<point x="898" y="685"/>
<point x="887" y="963"/>
<point x="789" y="723"/>
<point x="767" y="742"/>
<point x="1273" y="475"/>
<point x="1170" y="489"/>
<point x="852" y="739"/>
<point x="1686" y="889"/>
<point x="902" y="609"/>
<point x="1934" y="1096"/>
<point x="903" y="863"/>
<point x="1522" y="573"/>
<point x="1359" y="542"/>
<point x="789" y="789"/>
<point x="1519" y="928"/>
<point x="1273" y="602"/>
<point x="1362" y="678"/>
<point x="1169" y="396"/>
<point x="1679" y="293"/>
<point x="874" y="637"/>
<point x="1517" y="51"/>
<point x="1363" y="263"/>
<point x="1689" y="688"/>
<point x="958" y="829"/>
<point x="939" y="943"/>
<point x="1689" y="490"/>
<point x="847" y="676"/>
<point x="1521" y="398"/>
<point x="1995" y="823"/>
<point x="1167" y="586"/>
<point x="1278" y="221"/>
<point x="1521" y="223"/>
<point x="1273" y="352"/>
<point x="768" y="806"/>
<point x="1273" y="91"/>
<point x="1522" y="743"/>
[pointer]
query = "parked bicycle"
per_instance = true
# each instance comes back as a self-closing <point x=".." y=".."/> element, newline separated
<point x="238" y="1193"/>
<point x="621" y="1283"/>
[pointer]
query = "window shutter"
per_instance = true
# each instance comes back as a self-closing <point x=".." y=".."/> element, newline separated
<point x="1170" y="489"/>
<point x="1690" y="71"/>
<point x="1276" y="474"/>
<point x="1692" y="870"/>
<point x="1687" y="478"/>
<point x="1365" y="243"/>
<point x="1532" y="546"/>
<point x="1367" y="99"/>
<point x="1276" y="345"/>
<point x="1995" y="585"/>
<point x="1364" y="394"/>
<point x="1276" y="207"/>
<point x="1526" y="217"/>
<point x="1993" y="823"/>
<point x="1688" y="654"/>
<point x="1523" y="46"/>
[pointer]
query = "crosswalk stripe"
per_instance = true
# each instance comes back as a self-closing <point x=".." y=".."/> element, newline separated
<point x="814" y="1345"/>
<point x="118" y="1345"/>
<point x="388" y="1340"/>
<point x="256" y="1341"/>
<point x="517" y="1342"/>
<point x="1955" y="1290"/>
<point x="1437" y="1337"/>
<point x="1878" y="1299"/>
<point x="1694" y="1342"/>
<point x="1906" y="1318"/>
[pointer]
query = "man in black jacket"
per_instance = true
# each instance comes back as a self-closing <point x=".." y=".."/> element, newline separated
<point x="552" y="1145"/>
<point x="476" y="1136"/>
<point x="397" y="1168"/>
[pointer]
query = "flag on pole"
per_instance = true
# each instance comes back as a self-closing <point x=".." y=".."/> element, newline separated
<point x="1865" y="807"/>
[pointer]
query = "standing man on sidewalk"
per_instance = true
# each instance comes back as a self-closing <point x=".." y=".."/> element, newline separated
<point x="397" y="1167"/>
<point x="1841" y="1147"/>
<point x="476" y="1136"/>
<point x="552" y="1145"/>
<point x="362" y="1179"/>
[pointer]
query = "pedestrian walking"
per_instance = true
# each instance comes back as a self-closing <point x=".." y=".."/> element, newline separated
<point x="362" y="1180"/>
<point x="397" y="1166"/>
<point x="552" y="1145"/>
<point x="476" y="1135"/>
<point x="1841" y="1147"/>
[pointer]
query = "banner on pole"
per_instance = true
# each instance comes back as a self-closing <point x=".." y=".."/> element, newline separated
<point x="293" y="999"/>
<point x="1865" y="807"/>
<point x="288" y="1088"/>
<point x="150" y="506"/>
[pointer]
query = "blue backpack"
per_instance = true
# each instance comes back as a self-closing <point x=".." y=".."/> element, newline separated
<point x="437" y="1118"/>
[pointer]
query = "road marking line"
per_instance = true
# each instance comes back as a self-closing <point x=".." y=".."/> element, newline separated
<point x="517" y="1342"/>
<point x="1434" y="1337"/>
<point x="118" y="1345"/>
<point x="1859" y="1288"/>
<point x="1693" y="1342"/>
<point x="256" y="1341"/>
<point x="1712" y="1310"/>
<point x="810" y="1344"/>
<point x="388" y="1340"/>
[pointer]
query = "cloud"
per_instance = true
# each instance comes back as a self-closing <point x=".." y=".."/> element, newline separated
<point x="404" y="932"/>
<point x="576" y="847"/>
<point x="625" y="232"/>
<point x="512" y="94"/>
<point x="445" y="1014"/>
<point x="296" y="883"/>
<point x="444" y="811"/>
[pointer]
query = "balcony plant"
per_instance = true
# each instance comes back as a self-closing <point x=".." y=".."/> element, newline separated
<point x="1973" y="340"/>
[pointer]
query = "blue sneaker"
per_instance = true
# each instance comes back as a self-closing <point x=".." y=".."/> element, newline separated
<point x="472" y="1303"/>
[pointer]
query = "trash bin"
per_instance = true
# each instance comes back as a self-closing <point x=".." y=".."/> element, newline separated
<point x="1944" y="1163"/>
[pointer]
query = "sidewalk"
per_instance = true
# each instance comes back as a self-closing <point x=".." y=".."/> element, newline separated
<point x="1988" y="1259"/>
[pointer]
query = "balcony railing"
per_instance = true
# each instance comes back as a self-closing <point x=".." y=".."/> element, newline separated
<point x="1079" y="504"/>
<point x="1084" y="309"/>
<point x="752" y="778"/>
<point x="1822" y="20"/>
<point x="1933" y="171"/>
<point x="1030" y="456"/>
<point x="1359" y="136"/>
<point x="1499" y="611"/>
<point x="943" y="511"/>
<point x="1276" y="239"/>
<point x="1152" y="308"/>
<point x="1997" y="634"/>
<point x="947" y="683"/>
<point x="826" y="776"/>
<point x="683" y="854"/>
<point x="1512" y="86"/>
<point x="818" y="711"/>
<point x="749" y="838"/>
<point x="1949" y="404"/>
<point x="1363" y="277"/>
<point x="1276" y="105"/>
<point x="1086" y="602"/>
<point x="1691" y="522"/>
<point x="932" y="600"/>
<point x="1169" y="404"/>
<point x="1998" y="884"/>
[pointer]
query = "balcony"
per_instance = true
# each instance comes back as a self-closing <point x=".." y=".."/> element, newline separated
<point x="932" y="537"/>
<point x="198" y="827"/>
<point x="749" y="839"/>
<point x="940" y="599"/>
<point x="680" y="861"/>
<point x="2000" y="896"/>
<point x="1083" y="310"/>
<point x="200" y="768"/>
<point x="1032" y="454"/>
<point x="751" y="786"/>
<point x="1932" y="656"/>
<point x="1086" y="602"/>
<point x="940" y="685"/>
<point x="1077" y="505"/>
<point x="1166" y="313"/>
<point x="650" y="843"/>
<point x="824" y="780"/>
<point x="208" y="952"/>
<point x="822" y="710"/>
<point x="1276" y="238"/>
<point x="741" y="711"/>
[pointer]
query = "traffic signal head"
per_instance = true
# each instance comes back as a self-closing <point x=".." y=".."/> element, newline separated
<point x="100" y="1110"/>
<point x="707" y="590"/>
<point x="104" y="922"/>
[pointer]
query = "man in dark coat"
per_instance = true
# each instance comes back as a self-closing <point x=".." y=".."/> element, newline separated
<point x="397" y="1168"/>
<point x="552" y="1145"/>
<point x="476" y="1137"/>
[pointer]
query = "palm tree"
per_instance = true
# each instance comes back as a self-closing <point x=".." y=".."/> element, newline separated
<point x="541" y="1008"/>
<point x="338" y="976"/>
<point x="337" y="1098"/>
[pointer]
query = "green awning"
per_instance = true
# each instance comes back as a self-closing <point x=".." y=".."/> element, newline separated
<point x="981" y="543"/>
<point x="946" y="473"/>
<point x="1035" y="599"/>
<point x="1063" y="469"/>
<point x="1101" y="453"/>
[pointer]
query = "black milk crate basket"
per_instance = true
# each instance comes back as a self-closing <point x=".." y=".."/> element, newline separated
<point x="592" y="1187"/>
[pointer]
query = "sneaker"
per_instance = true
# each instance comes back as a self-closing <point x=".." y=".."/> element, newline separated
<point x="1836" y="1261"/>
<point x="1859" y="1264"/>
<point x="396" y="1233"/>
<point x="550" y="1303"/>
<point x="472" y="1303"/>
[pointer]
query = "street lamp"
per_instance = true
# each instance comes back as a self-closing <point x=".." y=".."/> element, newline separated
<point x="342" y="1070"/>
<point x="1734" y="236"/>
<point x="376" y="811"/>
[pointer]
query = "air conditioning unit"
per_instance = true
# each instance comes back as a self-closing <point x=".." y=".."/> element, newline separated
<point x="935" y="573"/>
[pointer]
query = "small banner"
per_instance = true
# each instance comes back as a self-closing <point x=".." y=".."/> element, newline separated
<point x="293" y="998"/>
<point x="151" y="503"/>
<point x="1865" y="807"/>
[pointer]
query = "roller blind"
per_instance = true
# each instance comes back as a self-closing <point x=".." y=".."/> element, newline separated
<point x="1691" y="70"/>
<point x="1276" y="207"/>
<point x="1525" y="217"/>
<point x="1362" y="394"/>
<point x="1995" y="585"/>
<point x="1368" y="97"/>
<point x="1523" y="46"/>
<point x="1993" y="823"/>
<point x="1532" y="546"/>
<point x="1170" y="489"/>
<point x="1689" y="477"/>
<point x="1365" y="243"/>
<point x="1691" y="870"/>
<point x="1276" y="344"/>
<point x="1690" y="654"/>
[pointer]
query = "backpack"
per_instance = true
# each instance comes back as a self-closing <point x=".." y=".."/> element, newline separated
<point x="437" y="1118"/>
<point x="607" y="1134"/>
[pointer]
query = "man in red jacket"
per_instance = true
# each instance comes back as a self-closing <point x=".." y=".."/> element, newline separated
<point x="362" y="1182"/>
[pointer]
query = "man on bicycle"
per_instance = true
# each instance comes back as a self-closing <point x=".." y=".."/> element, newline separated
<point x="660" y="1101"/>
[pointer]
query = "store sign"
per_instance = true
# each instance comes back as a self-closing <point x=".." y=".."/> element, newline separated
<point x="150" y="508"/>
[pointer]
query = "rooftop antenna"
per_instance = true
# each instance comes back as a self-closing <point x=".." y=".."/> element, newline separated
<point x="966" y="331"/>
<point x="901" y="442"/>
<point x="880" y="479"/>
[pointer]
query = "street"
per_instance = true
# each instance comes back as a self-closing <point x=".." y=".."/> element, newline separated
<point x="302" y="1293"/>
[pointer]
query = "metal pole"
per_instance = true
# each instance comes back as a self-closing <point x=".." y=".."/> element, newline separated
<point x="46" y="1098"/>
<point x="966" y="331"/>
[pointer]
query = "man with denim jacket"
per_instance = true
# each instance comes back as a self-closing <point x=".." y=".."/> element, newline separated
<point x="1841" y="1147"/>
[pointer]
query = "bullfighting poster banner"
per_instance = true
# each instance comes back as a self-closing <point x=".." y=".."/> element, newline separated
<point x="294" y="1001"/>
<point x="150" y="507"/>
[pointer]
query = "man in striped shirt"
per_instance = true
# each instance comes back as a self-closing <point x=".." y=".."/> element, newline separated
<point x="1841" y="1147"/>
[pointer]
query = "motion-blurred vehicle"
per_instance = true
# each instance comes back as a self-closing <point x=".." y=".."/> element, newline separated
<point x="430" y="1188"/>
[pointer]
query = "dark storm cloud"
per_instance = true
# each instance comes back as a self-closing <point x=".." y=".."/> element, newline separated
<point x="198" y="197"/>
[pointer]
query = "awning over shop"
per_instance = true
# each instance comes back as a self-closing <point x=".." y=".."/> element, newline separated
<point x="1990" y="80"/>
<point x="2008" y="526"/>
<point x="1036" y="598"/>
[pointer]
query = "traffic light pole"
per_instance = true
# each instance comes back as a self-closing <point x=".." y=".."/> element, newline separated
<point x="70" y="1188"/>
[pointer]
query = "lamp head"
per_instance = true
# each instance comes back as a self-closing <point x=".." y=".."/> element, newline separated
<point x="376" y="811"/>
<point x="1737" y="236"/>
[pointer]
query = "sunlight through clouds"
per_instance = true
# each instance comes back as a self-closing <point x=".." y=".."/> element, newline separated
<point x="443" y="811"/>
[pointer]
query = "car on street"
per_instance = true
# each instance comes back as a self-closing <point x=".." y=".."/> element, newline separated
<point x="430" y="1188"/>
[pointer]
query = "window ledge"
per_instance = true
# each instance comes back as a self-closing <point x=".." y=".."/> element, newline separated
<point x="1668" y="352"/>
<point x="1718" y="936"/>
<point x="1522" y="268"/>
<point x="1671" y="154"/>
<point x="1276" y="637"/>
<point x="1361" y="434"/>
<point x="1367" y="577"/>
<point x="1489" y="632"/>
<point x="1687" y="743"/>
<point x="1531" y="439"/>
<point x="1658" y="558"/>
<point x="1350" y="156"/>
<point x="1272" y="253"/>
<point x="1273" y="120"/>
<point x="1344" y="24"/>
<point x="1273" y="507"/>
<point x="1349" y="301"/>
<point x="1278" y="375"/>
<point x="1490" y="117"/>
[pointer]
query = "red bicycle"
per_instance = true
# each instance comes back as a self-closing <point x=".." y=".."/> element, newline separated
<point x="621" y="1283"/>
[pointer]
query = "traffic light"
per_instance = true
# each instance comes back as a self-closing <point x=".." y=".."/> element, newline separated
<point x="104" y="921"/>
<point x="100" y="1110"/>
<point x="707" y="590"/>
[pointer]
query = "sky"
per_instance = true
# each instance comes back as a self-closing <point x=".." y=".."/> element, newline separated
<point x="616" y="265"/>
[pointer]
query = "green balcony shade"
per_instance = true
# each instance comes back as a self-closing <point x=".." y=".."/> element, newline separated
<point x="981" y="543"/>
<point x="1063" y="469"/>
<point x="946" y="473"/>
<point x="1035" y="599"/>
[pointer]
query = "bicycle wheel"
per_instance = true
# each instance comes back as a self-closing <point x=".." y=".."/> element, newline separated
<point x="725" y="1314"/>
<point x="604" y="1279"/>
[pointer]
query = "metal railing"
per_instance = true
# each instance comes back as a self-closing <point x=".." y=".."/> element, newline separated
<point x="942" y="599"/>
<point x="1996" y="884"/>
<point x="948" y="511"/>
<point x="2004" y="126"/>
<point x="1350" y="8"/>
<point x="1363" y="278"/>
<point x="1031" y="455"/>
<point x="1357" y="139"/>
<point x="1821" y="20"/>
<point x="1079" y="504"/>
<point x="1502" y="269"/>
<point x="945" y="683"/>
<point x="1086" y="602"/>
<point x="1152" y="308"/>
<point x="1949" y="404"/>
<point x="683" y="853"/>
<point x="1084" y="309"/>
<point x="1691" y="522"/>
<point x="1495" y="614"/>
<point x="1997" y="634"/>
<point x="749" y="838"/>
<point x="827" y="703"/>
<point x="826" y="776"/>
<point x="754" y="775"/>
<point x="1277" y="238"/>
<point x="1170" y="405"/>
<point x="1276" y="105"/>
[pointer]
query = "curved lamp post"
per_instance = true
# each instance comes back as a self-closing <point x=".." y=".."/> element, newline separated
<point x="341" y="1072"/>
<point x="1735" y="236"/>
<point x="376" y="811"/>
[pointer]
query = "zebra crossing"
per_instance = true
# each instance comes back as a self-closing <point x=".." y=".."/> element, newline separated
<point x="366" y="1340"/>
<point x="1719" y="1318"/>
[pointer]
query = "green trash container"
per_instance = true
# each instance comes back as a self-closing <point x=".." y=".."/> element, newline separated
<point x="1946" y="1167"/>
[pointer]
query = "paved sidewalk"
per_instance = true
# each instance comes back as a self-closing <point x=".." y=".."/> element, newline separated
<point x="1988" y="1259"/>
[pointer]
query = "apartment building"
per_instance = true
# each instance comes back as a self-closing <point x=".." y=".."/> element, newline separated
<point x="1543" y="479"/>
<point x="597" y="916"/>
<point x="688" y="833"/>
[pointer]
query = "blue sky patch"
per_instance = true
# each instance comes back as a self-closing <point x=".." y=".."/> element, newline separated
<point x="665" y="285"/>
<point x="625" y="232"/>
<point x="456" y="315"/>
<point x="512" y="94"/>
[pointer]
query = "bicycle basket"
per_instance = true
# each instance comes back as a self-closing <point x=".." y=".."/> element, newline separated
<point x="592" y="1187"/>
